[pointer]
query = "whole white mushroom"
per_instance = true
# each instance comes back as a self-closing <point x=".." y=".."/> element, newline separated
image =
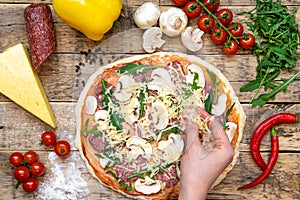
<point x="146" y="15"/>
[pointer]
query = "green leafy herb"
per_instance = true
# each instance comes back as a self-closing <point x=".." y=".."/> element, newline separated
<point x="122" y="183"/>
<point x="94" y="130"/>
<point x="213" y="78"/>
<point x="194" y="84"/>
<point x="126" y="186"/>
<point x="186" y="92"/>
<point x="165" y="133"/>
<point x="109" y="153"/>
<point x="113" y="174"/>
<point x="113" y="161"/>
<point x="209" y="101"/>
<point x="215" y="84"/>
<point x="277" y="36"/>
<point x="264" y="98"/>
<point x="107" y="94"/>
<point x="142" y="101"/>
<point x="139" y="174"/>
<point x="227" y="115"/>
<point x="116" y="120"/>
<point x="134" y="68"/>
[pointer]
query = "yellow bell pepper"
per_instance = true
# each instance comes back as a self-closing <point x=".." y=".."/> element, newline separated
<point x="91" y="17"/>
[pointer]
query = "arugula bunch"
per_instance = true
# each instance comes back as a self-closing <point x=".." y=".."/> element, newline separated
<point x="277" y="32"/>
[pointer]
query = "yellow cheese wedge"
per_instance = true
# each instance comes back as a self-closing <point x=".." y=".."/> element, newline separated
<point x="20" y="83"/>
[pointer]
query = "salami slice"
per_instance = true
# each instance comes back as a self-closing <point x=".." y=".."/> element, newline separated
<point x="40" y="32"/>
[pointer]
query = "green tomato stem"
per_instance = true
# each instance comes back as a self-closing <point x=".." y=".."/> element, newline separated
<point x="218" y="21"/>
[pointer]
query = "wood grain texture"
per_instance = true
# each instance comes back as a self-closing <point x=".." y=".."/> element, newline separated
<point x="281" y="184"/>
<point x="65" y="73"/>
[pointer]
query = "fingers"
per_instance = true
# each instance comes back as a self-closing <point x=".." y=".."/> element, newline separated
<point x="214" y="125"/>
<point x="203" y="114"/>
<point x="217" y="130"/>
<point x="192" y="135"/>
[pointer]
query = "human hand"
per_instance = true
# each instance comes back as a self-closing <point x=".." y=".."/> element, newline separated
<point x="199" y="167"/>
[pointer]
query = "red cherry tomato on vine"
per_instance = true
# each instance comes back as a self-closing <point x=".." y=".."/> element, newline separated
<point x="225" y="16"/>
<point x="31" y="185"/>
<point x="206" y="23"/>
<point x="192" y="9"/>
<point x="37" y="169"/>
<point x="21" y="173"/>
<point x="16" y="158"/>
<point x="30" y="157"/>
<point x="230" y="48"/>
<point x="211" y="5"/>
<point x="247" y="41"/>
<point x="218" y="35"/>
<point x="62" y="148"/>
<point x="236" y="29"/>
<point x="180" y="2"/>
<point x="48" y="138"/>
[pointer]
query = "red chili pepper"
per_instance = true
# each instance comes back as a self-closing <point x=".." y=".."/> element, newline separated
<point x="271" y="163"/>
<point x="263" y="128"/>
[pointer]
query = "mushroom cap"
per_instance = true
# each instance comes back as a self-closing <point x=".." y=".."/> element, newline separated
<point x="172" y="21"/>
<point x="146" y="15"/>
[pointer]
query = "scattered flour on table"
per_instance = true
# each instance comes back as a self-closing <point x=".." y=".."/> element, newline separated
<point x="63" y="180"/>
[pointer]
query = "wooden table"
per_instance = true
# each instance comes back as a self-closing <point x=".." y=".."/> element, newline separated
<point x="64" y="74"/>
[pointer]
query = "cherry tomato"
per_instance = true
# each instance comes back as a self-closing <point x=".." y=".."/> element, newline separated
<point x="62" y="148"/>
<point x="48" y="138"/>
<point x="31" y="185"/>
<point x="37" y="169"/>
<point x="206" y="23"/>
<point x="21" y="173"/>
<point x="16" y="158"/>
<point x="218" y="35"/>
<point x="180" y="2"/>
<point x="236" y="29"/>
<point x="247" y="41"/>
<point x="30" y="157"/>
<point x="192" y="9"/>
<point x="211" y="5"/>
<point x="230" y="48"/>
<point x="225" y="16"/>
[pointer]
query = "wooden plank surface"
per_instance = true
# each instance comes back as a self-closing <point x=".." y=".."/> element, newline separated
<point x="64" y="75"/>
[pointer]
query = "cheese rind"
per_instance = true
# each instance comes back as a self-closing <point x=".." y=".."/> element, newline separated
<point x="21" y="83"/>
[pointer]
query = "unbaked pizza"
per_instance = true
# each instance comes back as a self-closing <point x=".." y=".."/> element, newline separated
<point x="128" y="120"/>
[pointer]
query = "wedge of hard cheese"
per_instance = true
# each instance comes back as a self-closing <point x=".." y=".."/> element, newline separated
<point x="20" y="83"/>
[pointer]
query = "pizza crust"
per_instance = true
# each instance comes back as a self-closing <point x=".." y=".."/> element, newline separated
<point x="172" y="192"/>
